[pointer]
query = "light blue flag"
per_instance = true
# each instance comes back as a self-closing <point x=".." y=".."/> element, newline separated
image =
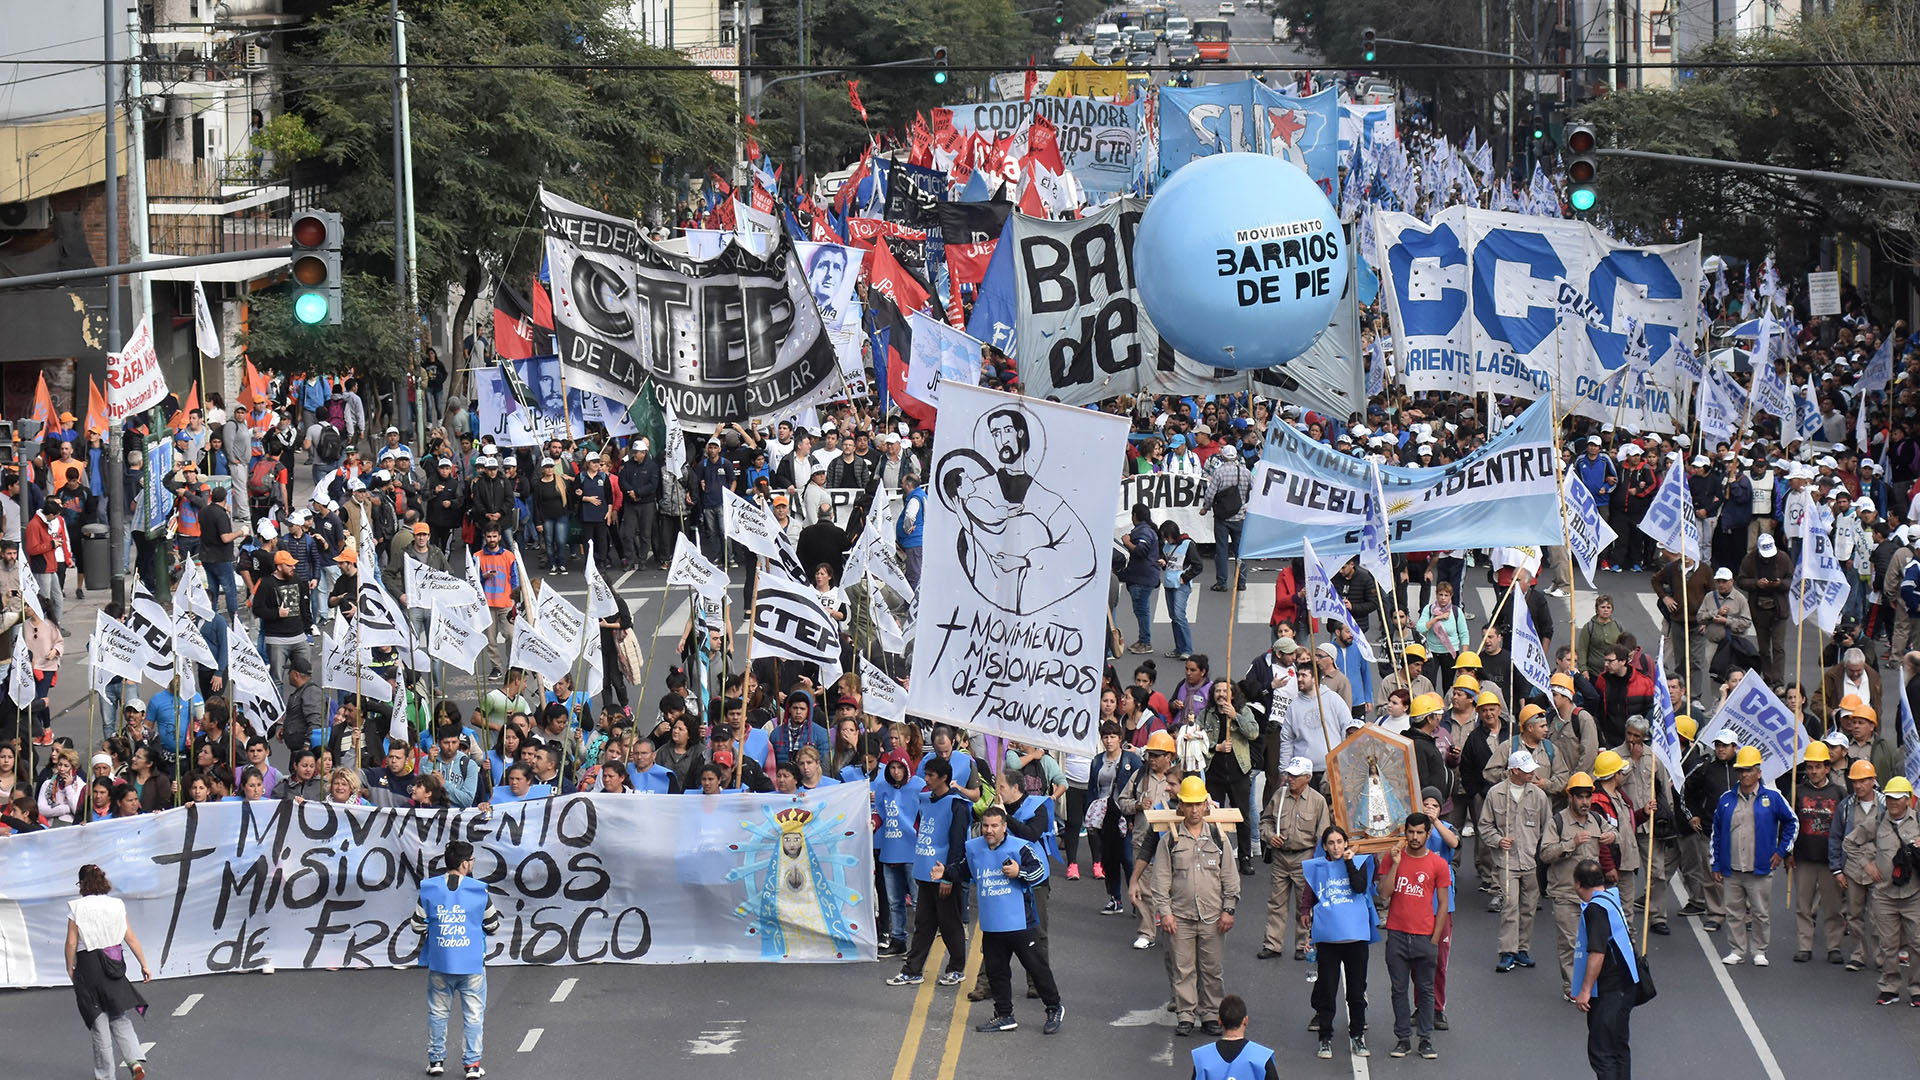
<point x="1909" y="736"/>
<point x="1373" y="534"/>
<point x="1666" y="733"/>
<point x="996" y="308"/>
<point x="1819" y="590"/>
<point x="1376" y="363"/>
<point x="1879" y="370"/>
<point x="1325" y="603"/>
<point x="1529" y="656"/>
<point x="1670" y="519"/>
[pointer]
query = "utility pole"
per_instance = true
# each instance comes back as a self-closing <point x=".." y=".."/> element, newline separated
<point x="800" y="32"/>
<point x="413" y="240"/>
<point x="115" y="479"/>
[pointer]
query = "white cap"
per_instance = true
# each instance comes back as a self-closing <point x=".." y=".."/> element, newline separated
<point x="1723" y="574"/>
<point x="829" y="426"/>
<point x="393" y="431"/>
<point x="1593" y="440"/>
<point x="1327" y="648"/>
<point x="267" y="531"/>
<point x="1682" y="440"/>
<point x="1700" y="461"/>
<point x="818" y="469"/>
<point x="1522" y="760"/>
<point x="356" y="484"/>
<point x="299" y="517"/>
<point x="1768" y="549"/>
<point x="1726" y="737"/>
<point x="136" y="704"/>
<point x="488" y="461"/>
<point x="1865" y="504"/>
<point x="1826" y="462"/>
<point x="1631" y="450"/>
<point x="1227" y="451"/>
<point x="1836" y="738"/>
<point x="1299" y="766"/>
<point x="890" y="438"/>
<point x="547" y="463"/>
<point x="382" y="475"/>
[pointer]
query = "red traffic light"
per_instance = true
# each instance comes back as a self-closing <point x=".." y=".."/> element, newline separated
<point x="310" y="230"/>
<point x="1580" y="140"/>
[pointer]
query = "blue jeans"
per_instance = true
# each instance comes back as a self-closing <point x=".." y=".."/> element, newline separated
<point x="1177" y="610"/>
<point x="556" y="537"/>
<point x="473" y="1013"/>
<point x="899" y="879"/>
<point x="1142" y="610"/>
<point x="1226" y="545"/>
<point x="219" y="579"/>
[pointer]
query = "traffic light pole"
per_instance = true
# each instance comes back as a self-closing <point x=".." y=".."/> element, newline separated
<point x="1849" y="179"/>
<point x="90" y="273"/>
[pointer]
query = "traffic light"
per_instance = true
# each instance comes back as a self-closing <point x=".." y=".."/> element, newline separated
<point x="316" y="267"/>
<point x="1539" y="125"/>
<point x="1369" y="45"/>
<point x="939" y="65"/>
<point x="1059" y="12"/>
<point x="1583" y="167"/>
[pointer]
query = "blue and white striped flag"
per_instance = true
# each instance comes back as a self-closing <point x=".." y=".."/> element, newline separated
<point x="1909" y="736"/>
<point x="1666" y="733"/>
<point x="1879" y="370"/>
<point x="1669" y="519"/>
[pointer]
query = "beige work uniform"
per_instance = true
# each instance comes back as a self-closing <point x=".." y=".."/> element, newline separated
<point x="1193" y="879"/>
<point x="1520" y="815"/>
<point x="1562" y="852"/>
<point x="1894" y="908"/>
<point x="1556" y="767"/>
<point x="1291" y="825"/>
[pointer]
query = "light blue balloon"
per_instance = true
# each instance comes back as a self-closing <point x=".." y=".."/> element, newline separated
<point x="1240" y="260"/>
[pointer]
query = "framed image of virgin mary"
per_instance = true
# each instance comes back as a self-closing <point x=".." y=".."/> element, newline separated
<point x="1374" y="786"/>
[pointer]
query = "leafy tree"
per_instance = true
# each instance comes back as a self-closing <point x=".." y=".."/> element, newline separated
<point x="486" y="138"/>
<point x="372" y="337"/>
<point x="1883" y="100"/>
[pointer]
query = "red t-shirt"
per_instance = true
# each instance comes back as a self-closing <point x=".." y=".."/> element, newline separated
<point x="1410" y="906"/>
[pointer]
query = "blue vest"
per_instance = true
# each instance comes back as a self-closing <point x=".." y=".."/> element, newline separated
<point x="1609" y="901"/>
<point x="534" y="791"/>
<point x="936" y="828"/>
<point x="1042" y="807"/>
<point x="1251" y="1064"/>
<point x="655" y="781"/>
<point x="1338" y="914"/>
<point x="962" y="767"/>
<point x="896" y="807"/>
<point x="454" y="943"/>
<point x="914" y="537"/>
<point x="1006" y="904"/>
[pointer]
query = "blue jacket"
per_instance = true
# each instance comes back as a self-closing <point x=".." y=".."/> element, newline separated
<point x="1774" y="827"/>
<point x="1598" y="475"/>
<point x="916" y="503"/>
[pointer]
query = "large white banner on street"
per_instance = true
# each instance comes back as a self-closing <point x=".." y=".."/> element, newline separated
<point x="1175" y="496"/>
<point x="631" y="879"/>
<point x="1013" y="588"/>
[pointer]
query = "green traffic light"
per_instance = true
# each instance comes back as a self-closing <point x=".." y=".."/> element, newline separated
<point x="1582" y="199"/>
<point x="939" y="77"/>
<point x="1367" y="56"/>
<point x="310" y="308"/>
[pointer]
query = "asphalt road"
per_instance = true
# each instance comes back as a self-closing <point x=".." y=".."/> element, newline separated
<point x="814" y="1022"/>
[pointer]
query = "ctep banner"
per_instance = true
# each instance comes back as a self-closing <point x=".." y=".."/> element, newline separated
<point x="630" y="879"/>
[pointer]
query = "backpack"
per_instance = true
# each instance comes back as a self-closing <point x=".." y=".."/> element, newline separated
<point x="260" y="480"/>
<point x="1193" y="564"/>
<point x="329" y="446"/>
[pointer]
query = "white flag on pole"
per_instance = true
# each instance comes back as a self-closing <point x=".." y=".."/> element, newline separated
<point x="748" y="524"/>
<point x="205" y="334"/>
<point x="600" y="599"/>
<point x="880" y="695"/>
<point x="690" y="568"/>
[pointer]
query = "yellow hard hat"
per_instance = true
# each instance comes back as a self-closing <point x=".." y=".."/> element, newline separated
<point x="1486" y="697"/>
<point x="1687" y="728"/>
<point x="1531" y="710"/>
<point x="1160" y="742"/>
<point x="1581" y="781"/>
<point x="1861" y="770"/>
<point x="1818" y="752"/>
<point x="1425" y="704"/>
<point x="1607" y="763"/>
<point x="1748" y="758"/>
<point x="1468" y="683"/>
<point x="1193" y="790"/>
<point x="1562" y="682"/>
<point x="1416" y="651"/>
<point x="1467" y="659"/>
<point x="1898" y="788"/>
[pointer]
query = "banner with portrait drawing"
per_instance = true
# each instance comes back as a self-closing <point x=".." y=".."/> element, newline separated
<point x="1013" y="586"/>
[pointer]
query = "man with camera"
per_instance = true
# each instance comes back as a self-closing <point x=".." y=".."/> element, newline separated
<point x="1885" y="843"/>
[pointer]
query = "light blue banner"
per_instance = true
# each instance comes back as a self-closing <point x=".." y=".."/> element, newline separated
<point x="1248" y="117"/>
<point x="1499" y="495"/>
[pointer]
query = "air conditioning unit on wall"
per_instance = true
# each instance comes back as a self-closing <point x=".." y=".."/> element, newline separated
<point x="30" y="216"/>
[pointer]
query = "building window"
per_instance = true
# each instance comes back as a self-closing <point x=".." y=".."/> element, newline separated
<point x="1660" y="30"/>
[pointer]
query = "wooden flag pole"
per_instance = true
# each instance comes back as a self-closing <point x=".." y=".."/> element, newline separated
<point x="1653" y="797"/>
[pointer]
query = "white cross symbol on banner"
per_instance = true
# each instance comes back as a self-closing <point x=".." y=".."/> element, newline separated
<point x="1516" y="290"/>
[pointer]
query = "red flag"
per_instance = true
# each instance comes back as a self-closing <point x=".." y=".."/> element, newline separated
<point x="1030" y="203"/>
<point x="97" y="408"/>
<point x="921" y="152"/>
<point x="1043" y="144"/>
<point x="762" y="201"/>
<point x="43" y="407"/>
<point x="906" y="294"/>
<point x="843" y="198"/>
<point x="945" y="135"/>
<point x="753" y="144"/>
<point x="193" y="402"/>
<point x="1033" y="79"/>
<point x="542" y="305"/>
<point x="253" y="387"/>
<point x="853" y="97"/>
<point x="513" y="335"/>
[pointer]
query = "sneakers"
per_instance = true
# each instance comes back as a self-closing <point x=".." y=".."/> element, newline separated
<point x="475" y="1072"/>
<point x="1803" y="956"/>
<point x="1856" y="965"/>
<point x="1427" y="1051"/>
<point x="1056" y="1018"/>
<point x="1505" y="964"/>
<point x="1212" y="1027"/>
<point x="45" y="738"/>
<point x="1523" y="959"/>
<point x="1401" y="1048"/>
<point x="1760" y="959"/>
<point x="1099" y="871"/>
<point x="1833" y="956"/>
<point x="436" y="1068"/>
<point x="1112" y="907"/>
<point x="1710" y="924"/>
<point x="139" y="1068"/>
<point x="893" y="948"/>
<point x="1326" y="1048"/>
<point x="951" y="978"/>
<point x="1440" y="1020"/>
<point x="904" y="979"/>
<point x="998" y="1023"/>
<point x="1143" y="942"/>
<point x="1887" y="997"/>
<point x="1693" y="909"/>
<point x="1141" y="648"/>
<point x="1073" y="871"/>
<point x="1358" y="1046"/>
<point x="1732" y="959"/>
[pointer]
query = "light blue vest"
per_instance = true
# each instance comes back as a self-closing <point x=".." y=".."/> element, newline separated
<point x="1338" y="914"/>
<point x="1006" y="904"/>
<point x="936" y="827"/>
<point x="896" y="807"/>
<point x="1042" y="807"/>
<point x="1609" y="901"/>
<point x="1251" y="1064"/>
<point x="454" y="943"/>
<point x="657" y="780"/>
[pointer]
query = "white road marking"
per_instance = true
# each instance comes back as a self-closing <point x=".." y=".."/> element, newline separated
<point x="621" y="581"/>
<point x="566" y="987"/>
<point x="1164" y="1057"/>
<point x="187" y="1005"/>
<point x="716" y="1040"/>
<point x="1768" y="1063"/>
<point x="145" y="1049"/>
<point x="1144" y="1018"/>
<point x="531" y="1040"/>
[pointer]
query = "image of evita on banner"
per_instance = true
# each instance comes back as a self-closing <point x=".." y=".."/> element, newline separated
<point x="1013" y="590"/>
<point x="243" y="886"/>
